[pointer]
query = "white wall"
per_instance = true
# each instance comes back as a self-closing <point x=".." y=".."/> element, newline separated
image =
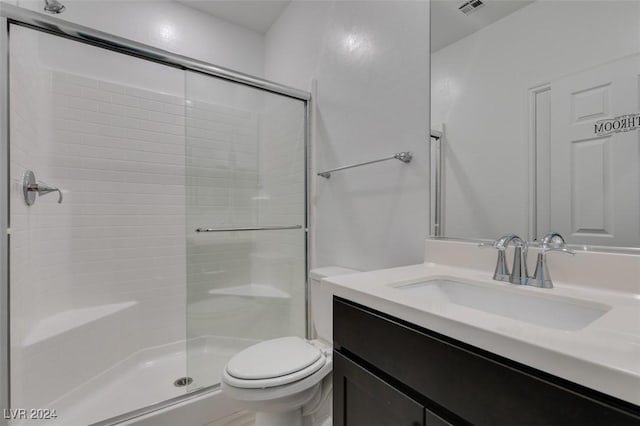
<point x="171" y="26"/>
<point x="480" y="91"/>
<point x="370" y="60"/>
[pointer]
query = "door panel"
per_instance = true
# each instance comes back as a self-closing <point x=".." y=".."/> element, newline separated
<point x="97" y="281"/>
<point x="595" y="180"/>
<point x="245" y="158"/>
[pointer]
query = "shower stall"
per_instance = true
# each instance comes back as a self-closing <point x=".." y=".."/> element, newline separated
<point x="154" y="221"/>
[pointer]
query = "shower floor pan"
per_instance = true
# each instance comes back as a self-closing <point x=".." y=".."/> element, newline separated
<point x="145" y="378"/>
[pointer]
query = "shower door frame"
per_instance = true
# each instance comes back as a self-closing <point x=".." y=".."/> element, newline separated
<point x="10" y="14"/>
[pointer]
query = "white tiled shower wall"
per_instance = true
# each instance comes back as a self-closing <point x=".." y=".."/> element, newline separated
<point x="222" y="176"/>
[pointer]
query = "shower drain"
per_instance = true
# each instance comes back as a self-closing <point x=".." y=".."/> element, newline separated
<point x="183" y="381"/>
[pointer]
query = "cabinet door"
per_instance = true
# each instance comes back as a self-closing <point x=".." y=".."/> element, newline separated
<point x="363" y="399"/>
<point x="478" y="387"/>
<point x="432" y="419"/>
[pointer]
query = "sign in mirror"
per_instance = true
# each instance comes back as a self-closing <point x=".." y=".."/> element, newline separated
<point x="537" y="104"/>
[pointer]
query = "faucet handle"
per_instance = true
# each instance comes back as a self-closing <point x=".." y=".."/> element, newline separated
<point x="501" y="272"/>
<point x="552" y="239"/>
<point x="492" y="244"/>
<point x="560" y="249"/>
<point x="518" y="274"/>
<point x="502" y="242"/>
<point x="31" y="187"/>
<point x="43" y="188"/>
<point x="541" y="277"/>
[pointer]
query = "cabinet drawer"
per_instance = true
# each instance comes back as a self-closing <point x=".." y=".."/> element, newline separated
<point x="478" y="387"/>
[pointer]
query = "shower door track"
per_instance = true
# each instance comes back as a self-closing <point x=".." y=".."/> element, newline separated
<point x="10" y="14"/>
<point x="149" y="409"/>
<point x="49" y="24"/>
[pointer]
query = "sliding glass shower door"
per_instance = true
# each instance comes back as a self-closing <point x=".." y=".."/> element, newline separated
<point x="177" y="236"/>
<point x="245" y="225"/>
<point x="97" y="275"/>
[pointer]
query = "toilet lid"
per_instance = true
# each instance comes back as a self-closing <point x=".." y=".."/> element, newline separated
<point x="273" y="358"/>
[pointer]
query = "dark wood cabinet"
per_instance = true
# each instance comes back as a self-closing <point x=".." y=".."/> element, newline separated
<point x="390" y="372"/>
<point x="369" y="400"/>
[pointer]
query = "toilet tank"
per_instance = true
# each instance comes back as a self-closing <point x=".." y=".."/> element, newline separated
<point x="321" y="300"/>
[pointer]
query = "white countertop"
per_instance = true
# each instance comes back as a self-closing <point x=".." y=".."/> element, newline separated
<point x="604" y="355"/>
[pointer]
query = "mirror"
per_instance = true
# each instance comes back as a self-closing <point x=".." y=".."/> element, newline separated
<point x="535" y="107"/>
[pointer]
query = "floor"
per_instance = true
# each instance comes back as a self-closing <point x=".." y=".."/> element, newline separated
<point x="248" y="419"/>
<point x="238" y="419"/>
<point x="320" y="418"/>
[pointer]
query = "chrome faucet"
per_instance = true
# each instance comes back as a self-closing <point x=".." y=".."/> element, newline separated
<point x="552" y="242"/>
<point x="518" y="274"/>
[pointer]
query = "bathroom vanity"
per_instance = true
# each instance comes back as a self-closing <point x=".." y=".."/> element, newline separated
<point x="391" y="372"/>
<point x="442" y="343"/>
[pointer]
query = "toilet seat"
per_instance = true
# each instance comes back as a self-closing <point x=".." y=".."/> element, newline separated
<point x="273" y="363"/>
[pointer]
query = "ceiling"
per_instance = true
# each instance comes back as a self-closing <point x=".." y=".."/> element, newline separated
<point x="449" y="25"/>
<point x="256" y="15"/>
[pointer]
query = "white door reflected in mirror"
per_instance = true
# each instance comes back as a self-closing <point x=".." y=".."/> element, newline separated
<point x="520" y="87"/>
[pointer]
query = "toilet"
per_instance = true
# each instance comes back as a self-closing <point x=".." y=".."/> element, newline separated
<point x="284" y="379"/>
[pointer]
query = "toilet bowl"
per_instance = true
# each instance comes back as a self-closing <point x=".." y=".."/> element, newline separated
<point x="284" y="379"/>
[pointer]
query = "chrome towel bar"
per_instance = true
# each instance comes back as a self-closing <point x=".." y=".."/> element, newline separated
<point x="248" y="228"/>
<point x="405" y="157"/>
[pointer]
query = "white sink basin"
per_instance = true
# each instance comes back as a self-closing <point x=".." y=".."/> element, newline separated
<point x="561" y="313"/>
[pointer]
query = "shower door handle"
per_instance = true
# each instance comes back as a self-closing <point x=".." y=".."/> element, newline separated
<point x="249" y="228"/>
<point x="30" y="187"/>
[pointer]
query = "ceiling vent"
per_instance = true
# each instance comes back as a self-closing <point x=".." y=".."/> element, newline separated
<point x="470" y="6"/>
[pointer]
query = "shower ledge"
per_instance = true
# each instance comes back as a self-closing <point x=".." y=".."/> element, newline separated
<point x="251" y="290"/>
<point x="63" y="322"/>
